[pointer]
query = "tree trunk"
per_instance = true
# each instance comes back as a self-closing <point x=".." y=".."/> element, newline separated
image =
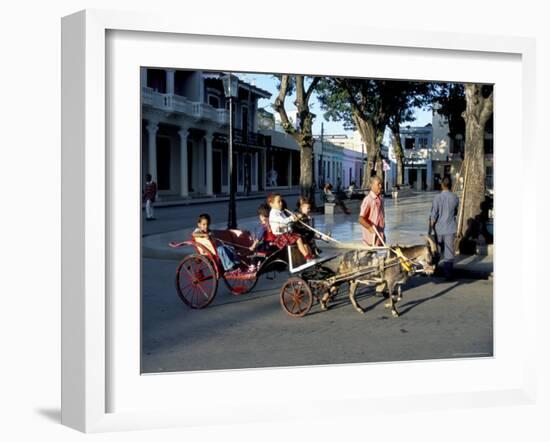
<point x="366" y="175"/>
<point x="372" y="142"/>
<point x="398" y="152"/>
<point x="306" y="171"/>
<point x="474" y="187"/>
<point x="380" y="165"/>
<point x="478" y="110"/>
<point x="304" y="134"/>
<point x="306" y="142"/>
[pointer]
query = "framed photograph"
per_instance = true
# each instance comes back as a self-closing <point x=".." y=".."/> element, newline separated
<point x="182" y="143"/>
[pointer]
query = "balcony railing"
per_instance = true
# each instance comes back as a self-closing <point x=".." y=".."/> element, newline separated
<point x="251" y="138"/>
<point x="171" y="103"/>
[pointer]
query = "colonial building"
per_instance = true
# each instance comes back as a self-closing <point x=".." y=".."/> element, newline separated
<point x="185" y="134"/>
<point x="431" y="152"/>
<point x="185" y="129"/>
<point x="417" y="161"/>
<point x="448" y="151"/>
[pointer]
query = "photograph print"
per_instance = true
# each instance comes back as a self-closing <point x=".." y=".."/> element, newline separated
<point x="298" y="220"/>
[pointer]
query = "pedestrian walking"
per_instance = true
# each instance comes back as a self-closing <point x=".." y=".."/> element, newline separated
<point x="149" y="196"/>
<point x="330" y="197"/>
<point x="443" y="223"/>
<point x="371" y="215"/>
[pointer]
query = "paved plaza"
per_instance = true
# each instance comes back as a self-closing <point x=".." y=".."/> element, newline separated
<point x="438" y="319"/>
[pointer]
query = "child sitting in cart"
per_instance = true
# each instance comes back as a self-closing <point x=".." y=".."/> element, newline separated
<point x="303" y="215"/>
<point x="263" y="236"/>
<point x="279" y="223"/>
<point x="227" y="255"/>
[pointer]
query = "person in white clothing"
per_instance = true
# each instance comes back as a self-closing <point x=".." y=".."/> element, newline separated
<point x="279" y="223"/>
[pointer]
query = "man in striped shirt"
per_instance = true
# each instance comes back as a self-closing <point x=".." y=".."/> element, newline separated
<point x="371" y="216"/>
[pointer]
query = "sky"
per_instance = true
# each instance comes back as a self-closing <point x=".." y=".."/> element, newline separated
<point x="269" y="83"/>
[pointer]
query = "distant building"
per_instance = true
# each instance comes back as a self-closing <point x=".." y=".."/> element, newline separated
<point x="338" y="159"/>
<point x="417" y="161"/>
<point x="431" y="152"/>
<point x="448" y="151"/>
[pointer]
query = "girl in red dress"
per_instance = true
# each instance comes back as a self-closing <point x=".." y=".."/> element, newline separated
<point x="279" y="223"/>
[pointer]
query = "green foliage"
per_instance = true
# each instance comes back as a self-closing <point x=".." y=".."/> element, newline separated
<point x="451" y="102"/>
<point x="334" y="101"/>
<point x="377" y="101"/>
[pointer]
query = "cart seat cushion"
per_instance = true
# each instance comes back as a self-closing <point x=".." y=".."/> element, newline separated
<point x="240" y="237"/>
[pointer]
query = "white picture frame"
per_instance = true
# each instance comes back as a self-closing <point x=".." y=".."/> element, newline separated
<point x="88" y="168"/>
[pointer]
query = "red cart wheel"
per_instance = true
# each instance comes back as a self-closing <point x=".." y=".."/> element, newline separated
<point x="240" y="283"/>
<point x="196" y="281"/>
<point x="296" y="297"/>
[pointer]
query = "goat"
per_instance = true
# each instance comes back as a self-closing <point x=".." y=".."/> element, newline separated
<point x="392" y="273"/>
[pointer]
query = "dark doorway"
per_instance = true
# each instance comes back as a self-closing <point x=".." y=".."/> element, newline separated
<point x="413" y="177"/>
<point x="447" y="171"/>
<point x="261" y="159"/>
<point x="424" y="179"/>
<point x="244" y="124"/>
<point x="156" y="80"/>
<point x="247" y="173"/>
<point x="437" y="181"/>
<point x="163" y="163"/>
<point x="216" y="171"/>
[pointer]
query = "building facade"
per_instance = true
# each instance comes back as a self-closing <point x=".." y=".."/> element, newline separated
<point x="448" y="152"/>
<point x="431" y="152"/>
<point x="185" y="132"/>
<point x="185" y="135"/>
<point x="339" y="159"/>
<point x="417" y="157"/>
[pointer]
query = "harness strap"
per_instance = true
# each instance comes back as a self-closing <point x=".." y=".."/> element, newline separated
<point x="405" y="262"/>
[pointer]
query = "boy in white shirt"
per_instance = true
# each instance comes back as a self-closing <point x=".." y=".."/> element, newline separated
<point x="279" y="223"/>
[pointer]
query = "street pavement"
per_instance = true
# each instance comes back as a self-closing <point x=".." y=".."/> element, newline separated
<point x="438" y="319"/>
<point x="406" y="222"/>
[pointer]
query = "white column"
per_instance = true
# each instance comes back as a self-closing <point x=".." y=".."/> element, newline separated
<point x="406" y="176"/>
<point x="143" y="77"/>
<point x="209" y="185"/>
<point x="170" y="80"/>
<point x="152" y="129"/>
<point x="289" y="169"/>
<point x="184" y="168"/>
<point x="263" y="160"/>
